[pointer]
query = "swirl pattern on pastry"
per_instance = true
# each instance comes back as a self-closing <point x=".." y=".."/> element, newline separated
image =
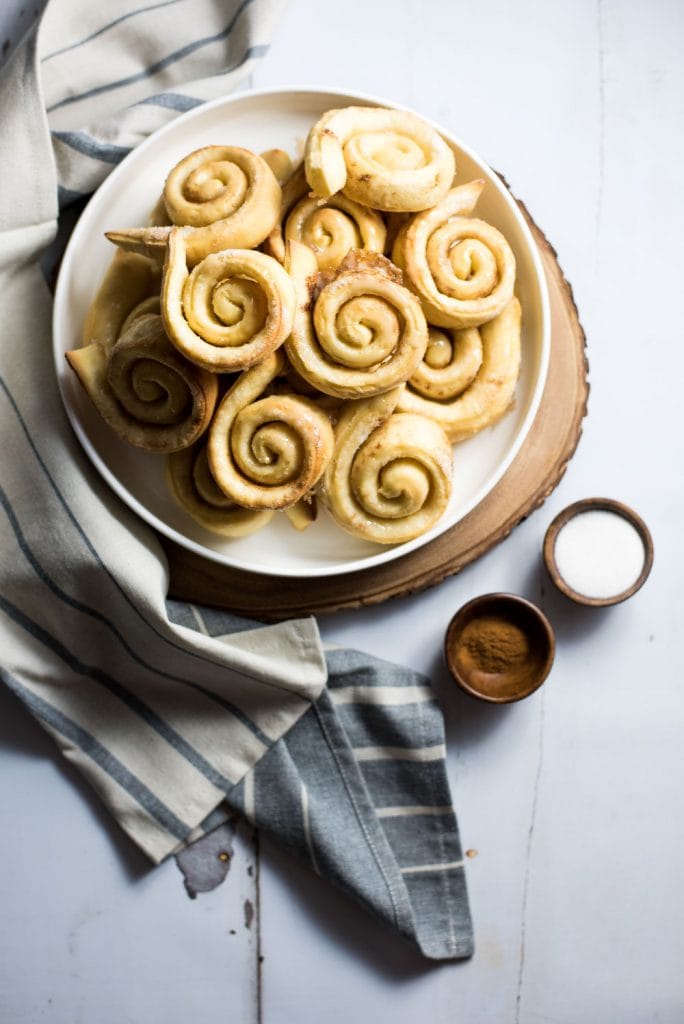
<point x="388" y="159"/>
<point x="366" y="332"/>
<point x="462" y="269"/>
<point x="267" y="453"/>
<point x="334" y="226"/>
<point x="390" y="477"/>
<point x="232" y="310"/>
<point x="223" y="197"/>
<point x="329" y="227"/>
<point x="144" y="390"/>
<point x="194" y="488"/>
<point x="491" y="392"/>
<point x="451" y="362"/>
<point x="128" y="281"/>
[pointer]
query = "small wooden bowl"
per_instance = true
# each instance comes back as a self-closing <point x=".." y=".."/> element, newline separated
<point x="592" y="505"/>
<point x="499" y="648"/>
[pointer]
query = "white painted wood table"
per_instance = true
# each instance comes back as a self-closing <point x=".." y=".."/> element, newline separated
<point x="570" y="802"/>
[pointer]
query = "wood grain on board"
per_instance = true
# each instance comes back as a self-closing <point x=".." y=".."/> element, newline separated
<point x="534" y="473"/>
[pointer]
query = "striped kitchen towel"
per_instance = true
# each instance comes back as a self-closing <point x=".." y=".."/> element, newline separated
<point x="176" y="714"/>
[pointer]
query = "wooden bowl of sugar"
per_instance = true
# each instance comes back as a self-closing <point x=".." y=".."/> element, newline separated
<point x="598" y="552"/>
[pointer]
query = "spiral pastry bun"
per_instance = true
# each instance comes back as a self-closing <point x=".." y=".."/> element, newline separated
<point x="388" y="159"/>
<point x="194" y="488"/>
<point x="332" y="227"/>
<point x="129" y="280"/>
<point x="223" y="197"/>
<point x="144" y="390"/>
<point x="462" y="269"/>
<point x="232" y="310"/>
<point x="329" y="227"/>
<point x="365" y="333"/>
<point x="451" y="362"/>
<point x="151" y="305"/>
<point x="489" y="396"/>
<point x="267" y="453"/>
<point x="390" y="477"/>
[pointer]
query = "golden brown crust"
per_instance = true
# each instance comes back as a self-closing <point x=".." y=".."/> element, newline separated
<point x="332" y="227"/>
<point x="340" y="387"/>
<point x="231" y="311"/>
<point x="223" y="197"/>
<point x="267" y="452"/>
<point x="491" y="392"/>
<point x="452" y="360"/>
<point x="128" y="281"/>
<point x="361" y="333"/>
<point x="194" y="488"/>
<point x="144" y="390"/>
<point x="389" y="480"/>
<point x="461" y="268"/>
<point x="329" y="227"/>
<point x="386" y="159"/>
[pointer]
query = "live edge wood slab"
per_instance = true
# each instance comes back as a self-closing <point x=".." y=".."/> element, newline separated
<point x="534" y="473"/>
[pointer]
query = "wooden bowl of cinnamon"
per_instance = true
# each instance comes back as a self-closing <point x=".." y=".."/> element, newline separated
<point x="499" y="647"/>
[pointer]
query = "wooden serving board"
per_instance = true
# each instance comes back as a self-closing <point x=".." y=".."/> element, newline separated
<point x="532" y="476"/>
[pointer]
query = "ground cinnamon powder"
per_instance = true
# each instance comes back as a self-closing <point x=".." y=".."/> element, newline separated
<point x="493" y="644"/>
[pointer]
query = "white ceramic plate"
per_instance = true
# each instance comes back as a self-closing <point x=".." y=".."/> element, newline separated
<point x="259" y="121"/>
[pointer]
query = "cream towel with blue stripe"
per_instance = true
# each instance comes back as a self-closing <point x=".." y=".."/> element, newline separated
<point x="176" y="714"/>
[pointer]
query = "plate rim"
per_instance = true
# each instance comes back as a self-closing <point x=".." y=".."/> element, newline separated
<point x="385" y="553"/>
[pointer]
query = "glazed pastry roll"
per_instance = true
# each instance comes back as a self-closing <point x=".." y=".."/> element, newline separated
<point x="452" y="360"/>
<point x="232" y="310"/>
<point x="194" y="488"/>
<point x="356" y="332"/>
<point x="129" y="280"/>
<point x="267" y="452"/>
<point x="390" y="477"/>
<point x="144" y="390"/>
<point x="388" y="159"/>
<point x="332" y="227"/>
<point x="490" y="394"/>
<point x="329" y="227"/>
<point x="462" y="269"/>
<point x="223" y="197"/>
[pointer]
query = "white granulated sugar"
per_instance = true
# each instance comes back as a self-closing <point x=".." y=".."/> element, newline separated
<point x="599" y="553"/>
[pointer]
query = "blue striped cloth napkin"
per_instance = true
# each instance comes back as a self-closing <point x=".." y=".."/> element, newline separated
<point x="178" y="715"/>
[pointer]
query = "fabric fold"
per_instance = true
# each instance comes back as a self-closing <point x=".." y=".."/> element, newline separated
<point x="162" y="720"/>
